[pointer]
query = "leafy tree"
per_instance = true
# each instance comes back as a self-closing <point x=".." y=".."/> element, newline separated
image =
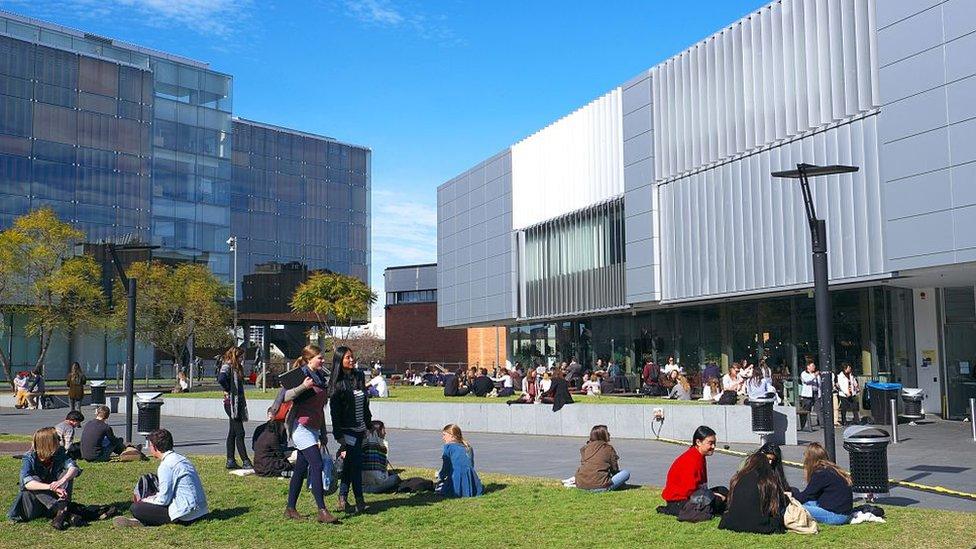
<point x="41" y="277"/>
<point x="334" y="299"/>
<point x="174" y="304"/>
<point x="366" y="346"/>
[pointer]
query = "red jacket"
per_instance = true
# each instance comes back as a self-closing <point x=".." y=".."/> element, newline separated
<point x="687" y="473"/>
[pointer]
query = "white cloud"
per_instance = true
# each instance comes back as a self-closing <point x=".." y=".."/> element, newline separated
<point x="216" y="18"/>
<point x="401" y="15"/>
<point x="377" y="12"/>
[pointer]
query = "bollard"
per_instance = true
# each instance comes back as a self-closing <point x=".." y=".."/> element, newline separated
<point x="894" y="420"/>
<point x="972" y="416"/>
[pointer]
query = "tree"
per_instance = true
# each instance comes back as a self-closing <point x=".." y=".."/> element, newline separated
<point x="366" y="346"/>
<point x="333" y="299"/>
<point x="41" y="277"/>
<point x="174" y="304"/>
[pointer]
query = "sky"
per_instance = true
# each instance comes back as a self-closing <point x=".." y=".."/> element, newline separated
<point x="431" y="87"/>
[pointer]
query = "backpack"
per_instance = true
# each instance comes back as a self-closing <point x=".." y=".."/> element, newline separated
<point x="698" y="508"/>
<point x="147" y="485"/>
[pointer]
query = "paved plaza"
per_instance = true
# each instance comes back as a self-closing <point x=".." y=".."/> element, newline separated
<point x="938" y="453"/>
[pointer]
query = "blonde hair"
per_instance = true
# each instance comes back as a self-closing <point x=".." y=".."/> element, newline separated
<point x="816" y="458"/>
<point x="455" y="432"/>
<point x="46" y="443"/>
<point x="235" y="357"/>
<point x="308" y="353"/>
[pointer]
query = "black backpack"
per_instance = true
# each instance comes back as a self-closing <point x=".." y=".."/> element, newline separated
<point x="148" y="485"/>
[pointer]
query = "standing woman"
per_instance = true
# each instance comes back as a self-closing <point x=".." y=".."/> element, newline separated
<point x="847" y="391"/>
<point x="76" y="385"/>
<point x="350" y="416"/>
<point x="231" y="379"/>
<point x="306" y="424"/>
<point x="809" y="391"/>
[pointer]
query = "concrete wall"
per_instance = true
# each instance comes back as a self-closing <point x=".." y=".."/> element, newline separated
<point x="731" y="423"/>
<point x="927" y="130"/>
<point x="475" y="249"/>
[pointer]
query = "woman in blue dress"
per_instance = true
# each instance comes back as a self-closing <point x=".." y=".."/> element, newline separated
<point x="457" y="477"/>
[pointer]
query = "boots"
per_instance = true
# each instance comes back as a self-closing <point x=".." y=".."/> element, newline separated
<point x="293" y="514"/>
<point x="341" y="505"/>
<point x="361" y="506"/>
<point x="61" y="517"/>
<point x="326" y="517"/>
<point x="246" y="464"/>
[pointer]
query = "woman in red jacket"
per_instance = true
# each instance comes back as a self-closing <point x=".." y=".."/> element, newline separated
<point x="689" y="472"/>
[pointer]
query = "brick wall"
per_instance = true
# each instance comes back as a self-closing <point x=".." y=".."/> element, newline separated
<point x="412" y="335"/>
<point x="482" y="346"/>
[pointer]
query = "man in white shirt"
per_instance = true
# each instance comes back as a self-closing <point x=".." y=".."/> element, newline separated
<point x="809" y="391"/>
<point x="377" y="386"/>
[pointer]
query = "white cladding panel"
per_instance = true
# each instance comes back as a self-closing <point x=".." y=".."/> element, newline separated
<point x="734" y="229"/>
<point x="572" y="164"/>
<point x="788" y="68"/>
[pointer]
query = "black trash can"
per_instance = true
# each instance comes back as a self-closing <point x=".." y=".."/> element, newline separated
<point x="880" y="395"/>
<point x="868" y="449"/>
<point x="911" y="403"/>
<point x="762" y="415"/>
<point x="98" y="393"/>
<point x="148" y="416"/>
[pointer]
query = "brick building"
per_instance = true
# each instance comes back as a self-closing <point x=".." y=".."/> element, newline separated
<point x="412" y="335"/>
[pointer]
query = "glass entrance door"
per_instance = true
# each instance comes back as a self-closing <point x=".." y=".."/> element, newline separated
<point x="959" y="306"/>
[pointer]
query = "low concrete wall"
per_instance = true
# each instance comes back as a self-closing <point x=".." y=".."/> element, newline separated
<point x="731" y="423"/>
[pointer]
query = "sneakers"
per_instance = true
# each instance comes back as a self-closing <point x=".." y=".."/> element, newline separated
<point x="123" y="522"/>
<point x="246" y="464"/>
<point x="232" y="464"/>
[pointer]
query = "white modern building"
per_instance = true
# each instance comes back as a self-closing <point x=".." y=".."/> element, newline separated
<point x="646" y="223"/>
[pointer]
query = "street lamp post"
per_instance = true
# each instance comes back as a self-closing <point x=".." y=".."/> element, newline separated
<point x="825" y="328"/>
<point x="232" y="242"/>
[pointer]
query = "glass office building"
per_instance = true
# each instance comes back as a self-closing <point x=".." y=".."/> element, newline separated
<point x="120" y="140"/>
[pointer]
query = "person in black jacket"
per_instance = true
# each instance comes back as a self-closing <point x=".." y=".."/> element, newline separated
<point x="231" y="380"/>
<point x="756" y="501"/>
<point x="270" y="449"/>
<point x="482" y="385"/>
<point x="454" y="386"/>
<point x="349" y="405"/>
<point x="828" y="495"/>
<point x="558" y="393"/>
<point x="98" y="441"/>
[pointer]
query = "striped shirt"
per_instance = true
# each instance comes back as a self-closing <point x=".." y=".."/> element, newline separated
<point x="359" y="398"/>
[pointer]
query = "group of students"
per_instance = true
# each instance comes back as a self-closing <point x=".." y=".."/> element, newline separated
<point x="758" y="496"/>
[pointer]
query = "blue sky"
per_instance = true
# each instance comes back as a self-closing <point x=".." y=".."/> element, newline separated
<point x="431" y="87"/>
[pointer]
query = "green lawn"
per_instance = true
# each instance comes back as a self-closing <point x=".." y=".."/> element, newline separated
<point x="4" y="437"/>
<point x="436" y="394"/>
<point x="516" y="512"/>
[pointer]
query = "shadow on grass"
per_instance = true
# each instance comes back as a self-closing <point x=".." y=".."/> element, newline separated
<point x="227" y="514"/>
<point x="494" y="487"/>
<point x="419" y="499"/>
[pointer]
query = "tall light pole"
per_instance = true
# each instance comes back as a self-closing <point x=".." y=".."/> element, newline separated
<point x="232" y="242"/>
<point x="825" y="327"/>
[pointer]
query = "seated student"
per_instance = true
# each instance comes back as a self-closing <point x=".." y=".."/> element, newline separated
<point x="377" y="385"/>
<point x="681" y="390"/>
<point x="180" y="498"/>
<point x="731" y="385"/>
<point x="651" y="379"/>
<point x="182" y="384"/>
<point x="482" y="385"/>
<point x="377" y="478"/>
<point x="599" y="470"/>
<point x="454" y="384"/>
<point x="711" y="392"/>
<point x="689" y="472"/>
<point x="756" y="498"/>
<point x="457" y="477"/>
<point x="558" y="393"/>
<point x="508" y="386"/>
<point x="271" y="449"/>
<point x="35" y="390"/>
<point x="759" y="386"/>
<point x="591" y="384"/>
<point x="66" y="430"/>
<point x="47" y="476"/>
<point x="529" y="392"/>
<point x="98" y="441"/>
<point x="828" y="495"/>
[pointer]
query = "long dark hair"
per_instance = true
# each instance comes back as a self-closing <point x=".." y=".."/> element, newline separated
<point x="339" y="375"/>
<point x="767" y="481"/>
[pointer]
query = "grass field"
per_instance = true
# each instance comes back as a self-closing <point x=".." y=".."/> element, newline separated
<point x="515" y="512"/>
<point x="436" y="394"/>
<point x="5" y="437"/>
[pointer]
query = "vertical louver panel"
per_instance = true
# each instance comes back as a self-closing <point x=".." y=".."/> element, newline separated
<point x="791" y="67"/>
<point x="569" y="165"/>
<point x="734" y="229"/>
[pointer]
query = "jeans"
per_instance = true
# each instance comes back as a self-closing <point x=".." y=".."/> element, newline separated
<point x="616" y="481"/>
<point x="352" y="465"/>
<point x="822" y="515"/>
<point x="235" y="436"/>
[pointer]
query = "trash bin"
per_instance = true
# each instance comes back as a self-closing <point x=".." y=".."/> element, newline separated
<point x="149" y="409"/>
<point x="97" y="393"/>
<point x="911" y="403"/>
<point x="868" y="449"/>
<point x="762" y="415"/>
<point x="880" y="395"/>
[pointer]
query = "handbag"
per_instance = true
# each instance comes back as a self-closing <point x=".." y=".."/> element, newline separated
<point x="698" y="508"/>
<point x="797" y="518"/>
<point x="281" y="414"/>
<point x="330" y="474"/>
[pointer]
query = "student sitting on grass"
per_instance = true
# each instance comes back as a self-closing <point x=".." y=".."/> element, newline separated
<point x="270" y="446"/>
<point x="508" y="386"/>
<point x="529" y="392"/>
<point x="457" y="477"/>
<point x="455" y="384"/>
<point x="828" y="495"/>
<point x="47" y="476"/>
<point x="180" y="498"/>
<point x="377" y="478"/>
<point x="98" y="441"/>
<point x="599" y="470"/>
<point x="681" y="389"/>
<point x="558" y="393"/>
<point x="66" y="430"/>
<point x="756" y="499"/>
<point x="689" y="472"/>
<point x="482" y="385"/>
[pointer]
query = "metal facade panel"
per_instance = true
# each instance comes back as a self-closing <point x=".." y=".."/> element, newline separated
<point x="573" y="163"/>
<point x="734" y="229"/>
<point x="404" y="279"/>
<point x="787" y="69"/>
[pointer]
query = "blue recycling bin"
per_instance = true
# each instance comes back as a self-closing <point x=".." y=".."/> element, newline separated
<point x="879" y="394"/>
